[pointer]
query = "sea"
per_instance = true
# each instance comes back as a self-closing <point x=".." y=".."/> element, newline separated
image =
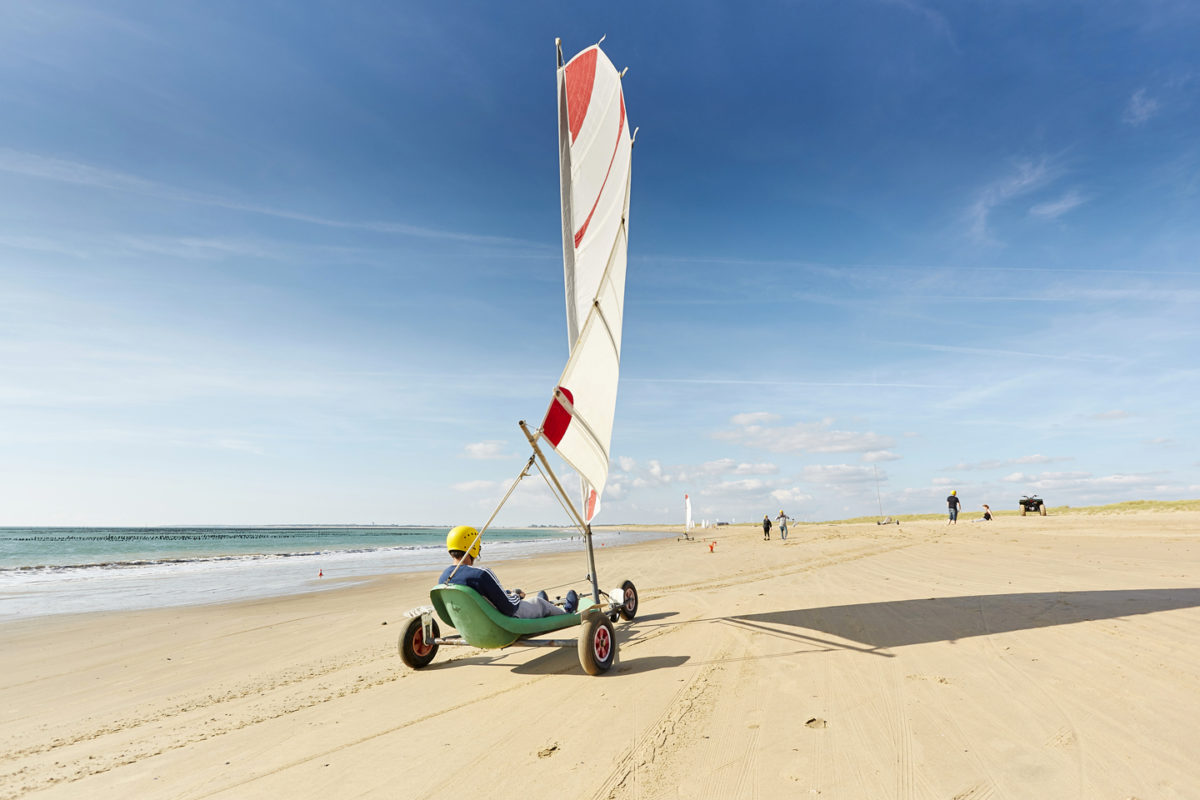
<point x="68" y="570"/>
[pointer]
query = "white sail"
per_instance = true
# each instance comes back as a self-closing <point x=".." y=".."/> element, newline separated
<point x="687" y="513"/>
<point x="595" y="151"/>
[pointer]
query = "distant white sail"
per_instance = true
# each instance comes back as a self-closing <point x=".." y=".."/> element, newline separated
<point x="595" y="154"/>
<point x="687" y="512"/>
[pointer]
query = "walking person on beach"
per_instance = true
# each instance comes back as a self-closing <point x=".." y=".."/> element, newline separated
<point x="953" y="502"/>
<point x="766" y="528"/>
<point x="464" y="544"/>
<point x="783" y="521"/>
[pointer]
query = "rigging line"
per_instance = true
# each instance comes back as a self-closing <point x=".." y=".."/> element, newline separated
<point x="599" y="311"/>
<point x="554" y="492"/>
<point x="616" y="239"/>
<point x="479" y="533"/>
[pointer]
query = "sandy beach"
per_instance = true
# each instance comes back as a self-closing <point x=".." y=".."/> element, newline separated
<point x="1028" y="657"/>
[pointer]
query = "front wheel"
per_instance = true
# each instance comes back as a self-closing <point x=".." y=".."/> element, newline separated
<point x="415" y="651"/>
<point x="630" y="605"/>
<point x="1042" y="509"/>
<point x="597" y="645"/>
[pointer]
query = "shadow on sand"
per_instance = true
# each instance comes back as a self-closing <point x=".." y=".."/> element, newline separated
<point x="565" y="660"/>
<point x="896" y="623"/>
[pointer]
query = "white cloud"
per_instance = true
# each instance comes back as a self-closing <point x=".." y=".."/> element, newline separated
<point x="793" y="495"/>
<point x="1139" y="108"/>
<point x="754" y="418"/>
<point x="1026" y="177"/>
<point x="744" y="485"/>
<point x="755" y="469"/>
<point x="47" y="168"/>
<point x="493" y="448"/>
<point x="876" y="456"/>
<point x="239" y="445"/>
<point x="814" y="437"/>
<point x="1056" y="208"/>
<point x="477" y="486"/>
<point x="838" y="474"/>
<point x="934" y="18"/>
<point x="1000" y="463"/>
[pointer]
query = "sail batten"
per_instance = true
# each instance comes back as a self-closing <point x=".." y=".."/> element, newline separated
<point x="595" y="150"/>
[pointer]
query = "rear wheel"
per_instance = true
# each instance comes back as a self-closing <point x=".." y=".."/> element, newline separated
<point x="1023" y="511"/>
<point x="415" y="651"/>
<point x="630" y="606"/>
<point x="1043" y="510"/>
<point x="597" y="645"/>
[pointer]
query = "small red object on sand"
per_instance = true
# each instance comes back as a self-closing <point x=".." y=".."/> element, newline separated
<point x="321" y="573"/>
<point x="711" y="546"/>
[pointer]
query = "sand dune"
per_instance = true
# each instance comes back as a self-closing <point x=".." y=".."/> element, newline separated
<point x="1029" y="657"/>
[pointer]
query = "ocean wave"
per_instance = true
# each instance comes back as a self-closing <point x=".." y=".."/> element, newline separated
<point x="169" y="560"/>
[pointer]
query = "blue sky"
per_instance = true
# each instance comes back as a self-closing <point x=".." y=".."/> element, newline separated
<point x="300" y="262"/>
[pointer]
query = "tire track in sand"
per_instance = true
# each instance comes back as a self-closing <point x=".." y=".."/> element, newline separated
<point x="690" y="704"/>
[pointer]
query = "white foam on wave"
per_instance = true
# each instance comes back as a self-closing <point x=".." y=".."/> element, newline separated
<point x="126" y="586"/>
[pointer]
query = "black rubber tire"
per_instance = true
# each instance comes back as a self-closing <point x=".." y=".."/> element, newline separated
<point x="597" y="645"/>
<point x="630" y="607"/>
<point x="414" y="651"/>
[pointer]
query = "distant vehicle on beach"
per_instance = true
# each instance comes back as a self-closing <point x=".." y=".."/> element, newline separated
<point x="1034" y="504"/>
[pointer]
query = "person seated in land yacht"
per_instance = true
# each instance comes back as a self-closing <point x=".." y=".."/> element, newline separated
<point x="464" y="544"/>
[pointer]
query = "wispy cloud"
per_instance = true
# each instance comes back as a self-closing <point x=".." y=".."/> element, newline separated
<point x="493" y="448"/>
<point x="1085" y="481"/>
<point x="992" y="352"/>
<point x="1056" y="208"/>
<point x="1139" y="108"/>
<point x="475" y="487"/>
<point x="803" y="437"/>
<point x="935" y="19"/>
<point x="792" y="495"/>
<point x="1111" y="415"/>
<point x="33" y="165"/>
<point x="754" y="418"/>
<point x="1026" y="176"/>
<point x="877" y="456"/>
<point x="1001" y="463"/>
<point x="836" y="474"/>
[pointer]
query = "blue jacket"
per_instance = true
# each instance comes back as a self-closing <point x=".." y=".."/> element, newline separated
<point x="486" y="583"/>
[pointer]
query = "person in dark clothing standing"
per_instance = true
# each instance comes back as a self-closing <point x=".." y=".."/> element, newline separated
<point x="766" y="527"/>
<point x="954" y="504"/>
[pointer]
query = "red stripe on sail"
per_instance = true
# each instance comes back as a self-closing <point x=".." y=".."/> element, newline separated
<point x="581" y="77"/>
<point x="554" y="426"/>
<point x="591" y="504"/>
<point x="620" y="129"/>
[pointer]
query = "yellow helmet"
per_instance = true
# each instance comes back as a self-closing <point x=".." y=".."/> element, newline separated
<point x="465" y="539"/>
<point x="954" y="491"/>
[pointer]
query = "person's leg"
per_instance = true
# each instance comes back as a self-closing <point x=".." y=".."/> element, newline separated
<point x="537" y="607"/>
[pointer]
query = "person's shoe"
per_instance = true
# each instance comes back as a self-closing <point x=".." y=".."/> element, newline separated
<point x="542" y="594"/>
<point x="572" y="602"/>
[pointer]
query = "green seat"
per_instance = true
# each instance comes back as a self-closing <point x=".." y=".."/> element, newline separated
<point x="481" y="625"/>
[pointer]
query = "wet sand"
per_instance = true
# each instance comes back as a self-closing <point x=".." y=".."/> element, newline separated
<point x="1026" y="657"/>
